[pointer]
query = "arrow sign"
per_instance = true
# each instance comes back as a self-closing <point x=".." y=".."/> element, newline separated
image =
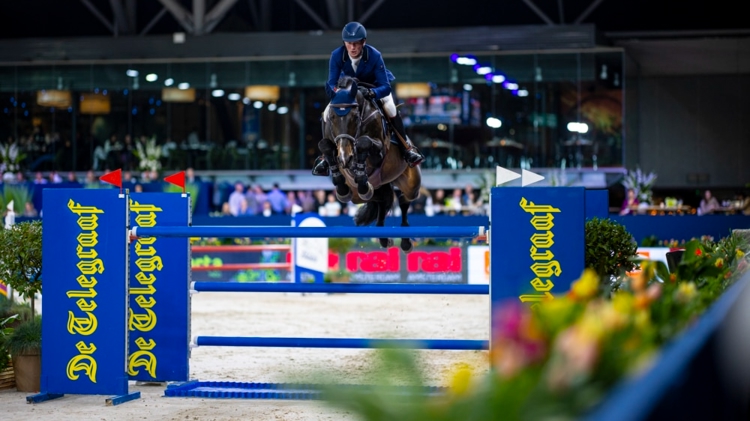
<point x="503" y="175"/>
<point x="528" y="177"/>
<point x="177" y="179"/>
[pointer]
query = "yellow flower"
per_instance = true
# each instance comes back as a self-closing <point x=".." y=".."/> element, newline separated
<point x="460" y="379"/>
<point x="739" y="253"/>
<point x="623" y="302"/>
<point x="719" y="263"/>
<point x="591" y="326"/>
<point x="586" y="286"/>
<point x="643" y="319"/>
<point x="612" y="319"/>
<point x="685" y="292"/>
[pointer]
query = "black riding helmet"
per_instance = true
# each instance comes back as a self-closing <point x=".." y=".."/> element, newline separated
<point x="353" y="32"/>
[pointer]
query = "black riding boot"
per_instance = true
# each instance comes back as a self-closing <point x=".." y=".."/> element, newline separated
<point x="320" y="167"/>
<point x="411" y="154"/>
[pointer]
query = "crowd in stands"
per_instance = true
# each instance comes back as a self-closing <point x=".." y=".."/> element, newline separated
<point x="251" y="200"/>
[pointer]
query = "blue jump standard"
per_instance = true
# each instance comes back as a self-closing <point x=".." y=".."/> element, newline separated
<point x="114" y="400"/>
<point x="310" y="232"/>
<point x="359" y="343"/>
<point x="241" y="390"/>
<point x="450" y="289"/>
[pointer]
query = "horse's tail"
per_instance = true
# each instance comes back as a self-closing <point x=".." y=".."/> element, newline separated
<point x="368" y="213"/>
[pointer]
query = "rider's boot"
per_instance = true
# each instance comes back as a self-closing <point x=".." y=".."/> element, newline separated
<point x="411" y="154"/>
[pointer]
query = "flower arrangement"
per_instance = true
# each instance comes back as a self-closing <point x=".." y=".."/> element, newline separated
<point x="641" y="183"/>
<point x="561" y="358"/>
<point x="149" y="154"/>
<point x="10" y="157"/>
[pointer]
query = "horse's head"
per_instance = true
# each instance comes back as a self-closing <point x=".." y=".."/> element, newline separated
<point x="344" y="119"/>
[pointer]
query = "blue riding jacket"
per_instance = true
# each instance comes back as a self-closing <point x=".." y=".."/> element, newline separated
<point x="371" y="70"/>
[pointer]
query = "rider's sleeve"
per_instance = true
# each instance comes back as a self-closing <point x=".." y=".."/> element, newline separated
<point x="382" y="82"/>
<point x="334" y="71"/>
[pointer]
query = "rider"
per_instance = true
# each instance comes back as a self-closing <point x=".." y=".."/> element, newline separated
<point x="356" y="59"/>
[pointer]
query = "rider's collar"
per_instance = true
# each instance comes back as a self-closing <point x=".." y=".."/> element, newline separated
<point x="365" y="54"/>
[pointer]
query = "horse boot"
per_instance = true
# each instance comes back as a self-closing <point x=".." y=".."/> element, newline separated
<point x="411" y="154"/>
<point x="320" y="167"/>
<point x="364" y="188"/>
<point x="326" y="163"/>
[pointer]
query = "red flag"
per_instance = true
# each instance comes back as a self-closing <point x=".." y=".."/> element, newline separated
<point x="177" y="179"/>
<point x="114" y="178"/>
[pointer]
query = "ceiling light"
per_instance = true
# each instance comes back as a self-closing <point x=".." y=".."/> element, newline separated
<point x="245" y="100"/>
<point x="482" y="70"/>
<point x="282" y="110"/>
<point x="234" y="96"/>
<point x="183" y="85"/>
<point x="272" y="107"/>
<point x="511" y="86"/>
<point x="151" y="77"/>
<point x="495" y="123"/>
<point x="258" y="105"/>
<point x="523" y="92"/>
<point x="498" y="78"/>
<point x="217" y="93"/>
<point x="169" y="82"/>
<point x="131" y="73"/>
<point x="468" y="87"/>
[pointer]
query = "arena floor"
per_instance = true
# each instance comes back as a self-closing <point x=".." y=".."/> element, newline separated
<point x="319" y="315"/>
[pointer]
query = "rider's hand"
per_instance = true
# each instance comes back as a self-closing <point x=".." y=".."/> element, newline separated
<point x="367" y="93"/>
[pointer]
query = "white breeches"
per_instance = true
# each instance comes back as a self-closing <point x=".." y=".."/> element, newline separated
<point x="388" y="105"/>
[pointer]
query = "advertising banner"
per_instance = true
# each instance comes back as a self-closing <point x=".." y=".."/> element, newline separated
<point x="218" y="259"/>
<point x="85" y="292"/>
<point x="424" y="265"/>
<point x="159" y="290"/>
<point x="310" y="254"/>
<point x="537" y="242"/>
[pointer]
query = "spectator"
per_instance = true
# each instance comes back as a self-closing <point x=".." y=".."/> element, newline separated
<point x="138" y="188"/>
<point x="237" y="202"/>
<point x="90" y="178"/>
<point x="253" y="206"/>
<point x="320" y="199"/>
<point x="128" y="177"/>
<point x="630" y="204"/>
<point x="708" y="204"/>
<point x="291" y="203"/>
<point x="190" y="176"/>
<point x="332" y="206"/>
<point x="55" y="178"/>
<point x="307" y="201"/>
<point x="72" y="178"/>
<point x="278" y="200"/>
<point x="260" y="199"/>
<point x="267" y="211"/>
<point x="467" y="199"/>
<point x="453" y="204"/>
<point x="100" y="155"/>
<point x="745" y="205"/>
<point x="419" y="204"/>
<point x="438" y="203"/>
<point x="39" y="179"/>
<point x="29" y="211"/>
<point x="20" y="178"/>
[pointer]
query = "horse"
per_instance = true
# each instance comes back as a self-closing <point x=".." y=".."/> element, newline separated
<point x="364" y="166"/>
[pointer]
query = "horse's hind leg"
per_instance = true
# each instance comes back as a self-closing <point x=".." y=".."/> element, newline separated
<point x="328" y="148"/>
<point x="384" y="200"/>
<point x="403" y="204"/>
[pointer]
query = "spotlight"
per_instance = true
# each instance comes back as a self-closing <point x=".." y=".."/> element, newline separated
<point x="258" y="105"/>
<point x="234" y="96"/>
<point x="217" y="93"/>
<point x="493" y="122"/>
<point x="283" y="110"/>
<point x="131" y="73"/>
<point x="183" y="85"/>
<point x="151" y="77"/>
<point x="169" y="82"/>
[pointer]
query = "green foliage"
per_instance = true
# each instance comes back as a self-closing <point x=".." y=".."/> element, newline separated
<point x="650" y="241"/>
<point x="336" y="276"/>
<point x="609" y="248"/>
<point x="341" y="245"/>
<point x="26" y="338"/>
<point x="191" y="188"/>
<point x="5" y="332"/>
<point x="19" y="194"/>
<point x="9" y="308"/>
<point x="21" y="258"/>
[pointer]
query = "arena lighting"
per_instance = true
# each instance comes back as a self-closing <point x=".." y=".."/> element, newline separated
<point x="131" y="73"/>
<point x="464" y="60"/>
<point x="272" y="107"/>
<point x="258" y="105"/>
<point x="523" y="92"/>
<point x="510" y="86"/>
<point x="151" y="77"/>
<point x="578" y="127"/>
<point x="234" y="96"/>
<point x="495" y="123"/>
<point x="468" y="87"/>
<point x="245" y="100"/>
<point x="282" y="110"/>
<point x="217" y="93"/>
<point x="498" y="78"/>
<point x="169" y="82"/>
<point x="183" y="85"/>
<point x="482" y="70"/>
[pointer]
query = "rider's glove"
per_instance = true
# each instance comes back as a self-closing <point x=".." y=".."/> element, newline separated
<point x="367" y="93"/>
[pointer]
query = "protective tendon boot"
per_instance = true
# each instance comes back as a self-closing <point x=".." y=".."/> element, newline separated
<point x="411" y="154"/>
<point x="329" y="161"/>
<point x="320" y="167"/>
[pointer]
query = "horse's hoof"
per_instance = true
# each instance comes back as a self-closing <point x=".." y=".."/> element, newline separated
<point x="345" y="197"/>
<point x="406" y="245"/>
<point x="368" y="194"/>
<point x="386" y="242"/>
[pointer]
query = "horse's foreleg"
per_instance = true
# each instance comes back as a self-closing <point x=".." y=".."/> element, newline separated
<point x="328" y="149"/>
<point x="364" y="188"/>
<point x="403" y="204"/>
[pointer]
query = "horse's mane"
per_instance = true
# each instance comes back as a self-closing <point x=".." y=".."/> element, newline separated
<point x="345" y="82"/>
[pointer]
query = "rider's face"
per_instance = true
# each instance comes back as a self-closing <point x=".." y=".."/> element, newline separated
<point x="354" y="48"/>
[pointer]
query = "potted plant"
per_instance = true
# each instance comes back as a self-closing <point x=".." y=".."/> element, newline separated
<point x="25" y="348"/>
<point x="337" y="276"/>
<point x="610" y="249"/>
<point x="339" y="246"/>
